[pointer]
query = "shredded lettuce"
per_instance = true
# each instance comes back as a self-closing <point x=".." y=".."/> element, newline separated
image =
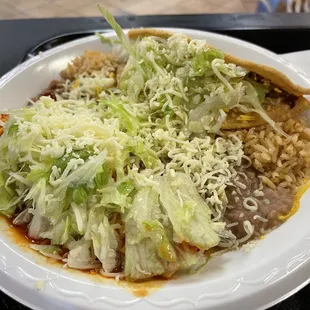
<point x="6" y="206"/>
<point x="126" y="187"/>
<point x="188" y="213"/>
<point x="148" y="157"/>
<point x="261" y="90"/>
<point x="101" y="178"/>
<point x="38" y="225"/>
<point x="190" y="261"/>
<point x="117" y="28"/>
<point x="59" y="233"/>
<point x="67" y="164"/>
<point x="105" y="245"/>
<point x="103" y="239"/>
<point x="81" y="256"/>
<point x="107" y="40"/>
<point x="143" y="222"/>
<point x="51" y="251"/>
<point x="23" y="218"/>
<point x="114" y="199"/>
<point x="148" y="249"/>
<point x="79" y="218"/>
<point x="142" y="261"/>
<point x="131" y="123"/>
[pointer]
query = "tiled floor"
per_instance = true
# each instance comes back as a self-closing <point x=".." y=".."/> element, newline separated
<point x="61" y="8"/>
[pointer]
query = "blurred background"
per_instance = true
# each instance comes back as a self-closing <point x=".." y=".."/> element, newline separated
<point x="73" y="8"/>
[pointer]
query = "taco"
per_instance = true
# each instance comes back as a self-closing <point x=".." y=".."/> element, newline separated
<point x="281" y="98"/>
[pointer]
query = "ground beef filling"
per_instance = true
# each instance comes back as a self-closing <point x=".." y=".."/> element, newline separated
<point x="273" y="90"/>
<point x="263" y="214"/>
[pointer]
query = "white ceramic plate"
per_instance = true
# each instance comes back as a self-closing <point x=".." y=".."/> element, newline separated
<point x="269" y="273"/>
<point x="300" y="59"/>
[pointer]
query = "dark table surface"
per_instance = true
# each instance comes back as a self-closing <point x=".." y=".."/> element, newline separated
<point x="281" y="33"/>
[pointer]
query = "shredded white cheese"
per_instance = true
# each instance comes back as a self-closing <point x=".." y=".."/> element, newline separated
<point x="250" y="204"/>
<point x="258" y="217"/>
<point x="249" y="229"/>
